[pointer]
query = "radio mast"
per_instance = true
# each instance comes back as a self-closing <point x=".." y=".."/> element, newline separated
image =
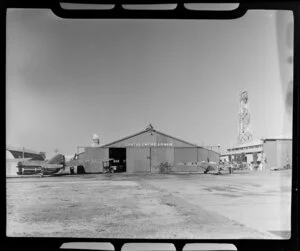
<point x="245" y="134"/>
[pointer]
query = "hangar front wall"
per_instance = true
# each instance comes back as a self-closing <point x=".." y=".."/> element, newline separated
<point x="92" y="159"/>
<point x="189" y="159"/>
<point x="203" y="154"/>
<point x="185" y="155"/>
<point x="185" y="159"/>
<point x="213" y="156"/>
<point x="146" y="151"/>
<point x="138" y="160"/>
<point x="161" y="155"/>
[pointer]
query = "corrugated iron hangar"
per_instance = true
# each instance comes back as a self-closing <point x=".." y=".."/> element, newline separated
<point x="145" y="151"/>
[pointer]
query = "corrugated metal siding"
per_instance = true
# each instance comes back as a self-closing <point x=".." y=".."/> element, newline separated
<point x="160" y="155"/>
<point x="93" y="157"/>
<point x="284" y="151"/>
<point x="138" y="160"/>
<point x="185" y="155"/>
<point x="207" y="155"/>
<point x="202" y="154"/>
<point x="270" y="149"/>
<point x="213" y="156"/>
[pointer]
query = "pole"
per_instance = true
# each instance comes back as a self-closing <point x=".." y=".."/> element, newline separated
<point x="150" y="158"/>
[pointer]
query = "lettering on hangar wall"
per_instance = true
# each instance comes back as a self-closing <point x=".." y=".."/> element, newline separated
<point x="149" y="144"/>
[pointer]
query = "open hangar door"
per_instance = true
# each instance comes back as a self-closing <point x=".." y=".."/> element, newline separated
<point x="118" y="155"/>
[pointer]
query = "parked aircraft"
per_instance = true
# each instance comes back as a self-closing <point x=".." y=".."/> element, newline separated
<point x="52" y="166"/>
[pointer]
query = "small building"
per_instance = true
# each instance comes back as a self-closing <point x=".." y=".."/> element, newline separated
<point x="251" y="152"/>
<point x="275" y="152"/>
<point x="145" y="151"/>
<point x="278" y="152"/>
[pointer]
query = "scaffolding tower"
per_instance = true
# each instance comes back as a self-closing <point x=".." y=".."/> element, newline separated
<point x="245" y="134"/>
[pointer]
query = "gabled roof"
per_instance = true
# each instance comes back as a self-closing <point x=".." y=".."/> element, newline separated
<point x="128" y="137"/>
<point x="148" y="129"/>
<point x="183" y="141"/>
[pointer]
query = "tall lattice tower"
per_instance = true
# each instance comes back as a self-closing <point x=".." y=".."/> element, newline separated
<point x="245" y="129"/>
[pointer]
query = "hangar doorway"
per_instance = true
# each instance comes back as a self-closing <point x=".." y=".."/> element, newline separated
<point x="119" y="158"/>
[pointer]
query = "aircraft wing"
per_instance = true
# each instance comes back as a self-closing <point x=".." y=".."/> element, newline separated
<point x="53" y="166"/>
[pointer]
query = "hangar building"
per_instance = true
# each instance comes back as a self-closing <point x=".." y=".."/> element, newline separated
<point x="145" y="151"/>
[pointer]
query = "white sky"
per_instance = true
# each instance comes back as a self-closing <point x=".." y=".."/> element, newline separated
<point x="68" y="79"/>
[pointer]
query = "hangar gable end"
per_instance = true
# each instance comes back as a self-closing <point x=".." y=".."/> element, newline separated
<point x="149" y="138"/>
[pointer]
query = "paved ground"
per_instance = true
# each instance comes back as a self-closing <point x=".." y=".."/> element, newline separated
<point x="241" y="205"/>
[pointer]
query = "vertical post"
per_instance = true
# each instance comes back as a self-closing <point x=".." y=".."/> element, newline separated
<point x="23" y="152"/>
<point x="150" y="157"/>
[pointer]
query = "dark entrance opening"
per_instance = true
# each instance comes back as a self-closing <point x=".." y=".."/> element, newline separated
<point x="119" y="158"/>
<point x="80" y="170"/>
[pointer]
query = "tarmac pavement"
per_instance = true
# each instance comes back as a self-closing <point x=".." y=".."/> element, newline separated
<point x="241" y="205"/>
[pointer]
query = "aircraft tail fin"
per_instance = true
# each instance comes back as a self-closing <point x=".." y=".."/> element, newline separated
<point x="57" y="159"/>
